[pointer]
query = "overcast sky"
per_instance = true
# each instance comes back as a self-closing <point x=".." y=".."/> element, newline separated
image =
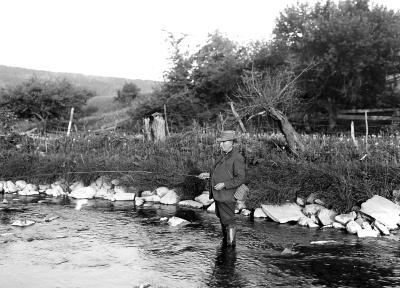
<point x="124" y="38"/>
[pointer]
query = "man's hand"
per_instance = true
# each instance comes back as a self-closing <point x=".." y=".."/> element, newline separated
<point x="204" y="175"/>
<point x="219" y="186"/>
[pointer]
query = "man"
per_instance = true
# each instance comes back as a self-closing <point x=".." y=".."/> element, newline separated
<point x="227" y="175"/>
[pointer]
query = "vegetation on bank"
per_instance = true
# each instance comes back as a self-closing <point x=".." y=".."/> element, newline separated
<point x="331" y="166"/>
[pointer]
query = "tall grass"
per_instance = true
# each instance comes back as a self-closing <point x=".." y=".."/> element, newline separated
<point x="331" y="166"/>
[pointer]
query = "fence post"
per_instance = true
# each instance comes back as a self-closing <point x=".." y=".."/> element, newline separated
<point x="353" y="137"/>
<point x="366" y="131"/>
<point x="70" y="121"/>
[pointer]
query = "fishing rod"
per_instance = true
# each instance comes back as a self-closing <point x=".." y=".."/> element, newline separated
<point x="124" y="172"/>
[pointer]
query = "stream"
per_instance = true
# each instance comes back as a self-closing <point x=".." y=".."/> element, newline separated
<point x="115" y="244"/>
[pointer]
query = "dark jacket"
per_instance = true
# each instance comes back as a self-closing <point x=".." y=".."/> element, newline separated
<point x="230" y="169"/>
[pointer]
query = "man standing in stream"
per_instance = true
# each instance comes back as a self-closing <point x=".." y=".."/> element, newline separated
<point x="227" y="175"/>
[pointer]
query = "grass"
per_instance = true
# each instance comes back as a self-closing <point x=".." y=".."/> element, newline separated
<point x="331" y="166"/>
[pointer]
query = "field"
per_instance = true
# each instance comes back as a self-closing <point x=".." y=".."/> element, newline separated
<point x="341" y="174"/>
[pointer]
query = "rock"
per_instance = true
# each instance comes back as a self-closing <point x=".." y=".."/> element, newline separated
<point x="326" y="216"/>
<point x="259" y="213"/>
<point x="190" y="203"/>
<point x="151" y="198"/>
<point x="319" y="202"/>
<point x="104" y="193"/>
<point x="323" y="242"/>
<point x="288" y="251"/>
<point x="123" y="196"/>
<point x="21" y="184"/>
<point x="305" y="221"/>
<point x="283" y="213"/>
<point x="115" y="182"/>
<point x="355" y="208"/>
<point x="50" y="218"/>
<point x="76" y="185"/>
<point x="383" y="210"/>
<point x="83" y="193"/>
<point x="300" y="201"/>
<point x="43" y="187"/>
<point x="161" y="191"/>
<point x="367" y="232"/>
<point x="139" y="201"/>
<point x="146" y="193"/>
<point x="23" y="223"/>
<point x="211" y="208"/>
<point x="204" y="199"/>
<point x="359" y="221"/>
<point x="163" y="219"/>
<point x="310" y="199"/>
<point x="170" y="198"/>
<point x="26" y="192"/>
<point x="176" y="221"/>
<point x="10" y="187"/>
<point x="381" y="227"/>
<point x="352" y="227"/>
<point x="5" y="201"/>
<point x="338" y="225"/>
<point x="245" y="212"/>
<point x="345" y="218"/>
<point x="311" y="209"/>
<point x="120" y="189"/>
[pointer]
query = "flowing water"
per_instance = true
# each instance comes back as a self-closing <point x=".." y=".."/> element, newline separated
<point x="116" y="244"/>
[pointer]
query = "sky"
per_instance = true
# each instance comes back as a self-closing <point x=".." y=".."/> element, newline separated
<point x="126" y="38"/>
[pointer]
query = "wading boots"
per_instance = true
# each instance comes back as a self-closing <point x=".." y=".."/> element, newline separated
<point x="231" y="236"/>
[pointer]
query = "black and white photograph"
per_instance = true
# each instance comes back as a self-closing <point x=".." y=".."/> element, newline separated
<point x="213" y="143"/>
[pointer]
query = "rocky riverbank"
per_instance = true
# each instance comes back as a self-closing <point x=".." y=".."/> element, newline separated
<point x="376" y="216"/>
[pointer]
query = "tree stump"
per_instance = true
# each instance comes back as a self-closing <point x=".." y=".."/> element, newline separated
<point x="158" y="128"/>
<point x="147" y="131"/>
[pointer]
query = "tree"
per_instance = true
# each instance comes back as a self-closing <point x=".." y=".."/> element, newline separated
<point x="356" y="49"/>
<point x="273" y="94"/>
<point x="44" y="100"/>
<point x="128" y="92"/>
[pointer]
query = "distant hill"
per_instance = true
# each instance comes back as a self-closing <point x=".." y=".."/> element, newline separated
<point x="10" y="76"/>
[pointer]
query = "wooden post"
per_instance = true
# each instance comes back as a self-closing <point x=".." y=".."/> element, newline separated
<point x="158" y="128"/>
<point x="237" y="117"/>
<point x="70" y="121"/>
<point x="166" y="121"/>
<point x="353" y="137"/>
<point x="366" y="131"/>
<point x="147" y="132"/>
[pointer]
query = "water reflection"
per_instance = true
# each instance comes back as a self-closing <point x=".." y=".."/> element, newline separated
<point x="224" y="273"/>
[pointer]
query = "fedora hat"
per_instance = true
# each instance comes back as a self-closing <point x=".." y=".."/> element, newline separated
<point x="228" y="135"/>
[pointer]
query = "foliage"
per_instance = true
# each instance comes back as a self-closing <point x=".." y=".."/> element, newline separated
<point x="128" y="93"/>
<point x="331" y="166"/>
<point x="355" y="47"/>
<point x="44" y="100"/>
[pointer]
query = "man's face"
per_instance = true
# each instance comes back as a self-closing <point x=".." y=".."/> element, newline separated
<point x="226" y="146"/>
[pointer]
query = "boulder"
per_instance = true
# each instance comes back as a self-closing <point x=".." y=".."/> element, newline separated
<point x="83" y="193"/>
<point x="311" y="209"/>
<point x="353" y="227"/>
<point x="124" y="196"/>
<point x="10" y="187"/>
<point x="338" y="225"/>
<point x="80" y="203"/>
<point x="170" y="198"/>
<point x="345" y="218"/>
<point x="245" y="212"/>
<point x="326" y="216"/>
<point x="305" y="221"/>
<point x="120" y="189"/>
<point x="259" y="213"/>
<point x="139" y="201"/>
<point x="23" y="223"/>
<point x="211" y="208"/>
<point x="300" y="201"/>
<point x="283" y="213"/>
<point x="381" y="227"/>
<point x="2" y="184"/>
<point x="310" y="199"/>
<point x="151" y="198"/>
<point x="115" y="182"/>
<point x="20" y="184"/>
<point x="27" y="192"/>
<point x="104" y="193"/>
<point x="319" y="202"/>
<point x="146" y="193"/>
<point x="76" y="185"/>
<point x="383" y="210"/>
<point x="190" y="203"/>
<point x="176" y="221"/>
<point x="204" y="199"/>
<point x="367" y="232"/>
<point x="43" y="187"/>
<point x="161" y="191"/>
